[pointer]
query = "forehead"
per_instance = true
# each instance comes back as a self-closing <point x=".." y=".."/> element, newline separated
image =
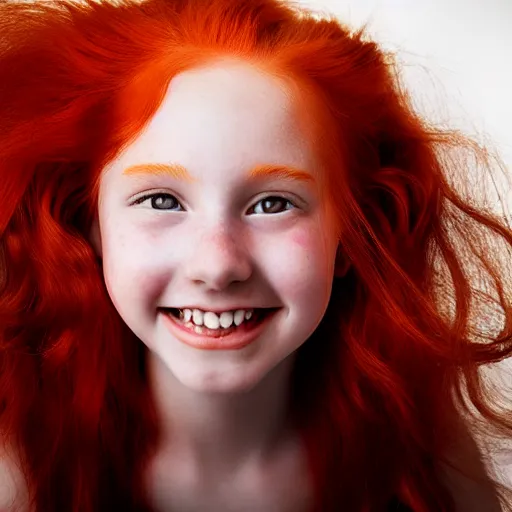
<point x="228" y="115"/>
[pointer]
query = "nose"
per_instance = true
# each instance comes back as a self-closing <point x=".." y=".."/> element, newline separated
<point x="218" y="260"/>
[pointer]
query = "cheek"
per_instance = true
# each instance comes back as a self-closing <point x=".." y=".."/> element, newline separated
<point x="301" y="239"/>
<point x="300" y="263"/>
<point x="315" y="238"/>
<point x="301" y="273"/>
<point x="130" y="268"/>
<point x="312" y="245"/>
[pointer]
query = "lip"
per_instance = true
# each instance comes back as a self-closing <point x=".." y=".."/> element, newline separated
<point x="244" y="335"/>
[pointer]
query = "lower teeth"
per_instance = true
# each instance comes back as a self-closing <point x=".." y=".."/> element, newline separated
<point x="199" y="329"/>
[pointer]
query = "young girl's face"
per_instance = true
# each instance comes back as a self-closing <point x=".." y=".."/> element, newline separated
<point x="215" y="208"/>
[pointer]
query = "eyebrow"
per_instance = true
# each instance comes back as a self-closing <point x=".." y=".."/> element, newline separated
<point x="259" y="173"/>
<point x="175" y="171"/>
<point x="285" y="172"/>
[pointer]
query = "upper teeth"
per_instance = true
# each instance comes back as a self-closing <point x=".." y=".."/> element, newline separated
<point x="213" y="320"/>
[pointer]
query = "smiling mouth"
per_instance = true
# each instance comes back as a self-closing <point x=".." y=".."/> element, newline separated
<point x="256" y="318"/>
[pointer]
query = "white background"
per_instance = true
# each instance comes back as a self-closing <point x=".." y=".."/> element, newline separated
<point x="457" y="56"/>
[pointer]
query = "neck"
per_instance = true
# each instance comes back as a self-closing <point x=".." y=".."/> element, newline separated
<point x="219" y="430"/>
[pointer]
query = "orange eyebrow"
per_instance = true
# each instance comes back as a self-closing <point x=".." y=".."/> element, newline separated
<point x="173" y="170"/>
<point x="279" y="172"/>
<point x="258" y="173"/>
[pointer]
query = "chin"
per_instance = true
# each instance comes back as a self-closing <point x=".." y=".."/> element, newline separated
<point x="217" y="381"/>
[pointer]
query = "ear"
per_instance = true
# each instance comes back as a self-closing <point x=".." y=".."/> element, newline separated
<point x="95" y="237"/>
<point x="341" y="264"/>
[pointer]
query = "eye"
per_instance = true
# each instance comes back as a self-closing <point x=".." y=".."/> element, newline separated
<point x="160" y="201"/>
<point x="272" y="204"/>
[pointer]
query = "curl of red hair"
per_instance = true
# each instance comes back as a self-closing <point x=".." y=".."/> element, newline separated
<point x="382" y="382"/>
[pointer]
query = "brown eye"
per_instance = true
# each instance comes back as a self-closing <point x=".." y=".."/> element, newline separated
<point x="272" y="204"/>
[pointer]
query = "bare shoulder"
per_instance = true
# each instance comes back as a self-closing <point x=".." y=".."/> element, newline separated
<point x="13" y="487"/>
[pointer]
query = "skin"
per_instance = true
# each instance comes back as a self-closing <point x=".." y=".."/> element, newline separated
<point x="226" y="137"/>
<point x="220" y="124"/>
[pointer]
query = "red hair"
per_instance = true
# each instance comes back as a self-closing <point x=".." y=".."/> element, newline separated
<point x="379" y="386"/>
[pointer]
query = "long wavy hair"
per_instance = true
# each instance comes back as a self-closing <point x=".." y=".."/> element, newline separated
<point x="381" y="387"/>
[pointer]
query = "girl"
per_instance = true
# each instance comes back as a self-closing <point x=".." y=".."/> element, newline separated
<point x="235" y="274"/>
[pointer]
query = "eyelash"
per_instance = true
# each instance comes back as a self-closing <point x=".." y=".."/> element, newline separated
<point x="165" y="195"/>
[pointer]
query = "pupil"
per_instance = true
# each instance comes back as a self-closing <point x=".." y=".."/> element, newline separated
<point x="162" y="202"/>
<point x="277" y="203"/>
